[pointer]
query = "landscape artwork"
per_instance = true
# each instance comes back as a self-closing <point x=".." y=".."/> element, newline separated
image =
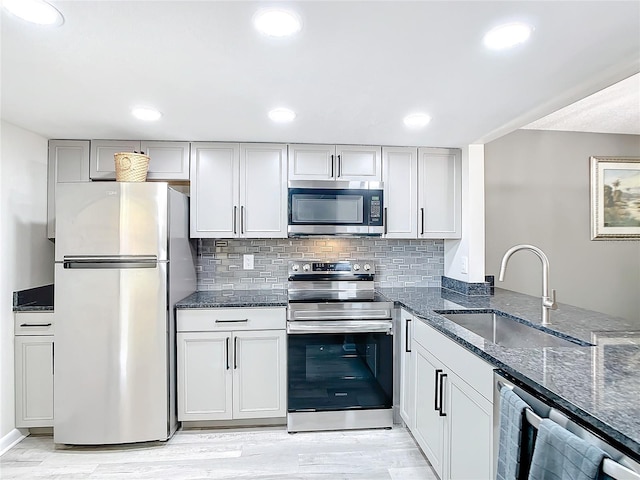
<point x="615" y="198"/>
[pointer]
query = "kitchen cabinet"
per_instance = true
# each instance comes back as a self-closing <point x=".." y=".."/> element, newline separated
<point x="34" y="350"/>
<point x="231" y="363"/>
<point x="335" y="162"/>
<point x="168" y="160"/>
<point x="400" y="177"/>
<point x="238" y="190"/>
<point x="454" y="406"/>
<point x="439" y="193"/>
<point x="407" y="370"/>
<point x="68" y="161"/>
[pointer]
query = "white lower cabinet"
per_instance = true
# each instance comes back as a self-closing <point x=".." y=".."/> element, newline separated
<point x="33" y="356"/>
<point x="231" y="364"/>
<point x="407" y="370"/>
<point x="454" y="408"/>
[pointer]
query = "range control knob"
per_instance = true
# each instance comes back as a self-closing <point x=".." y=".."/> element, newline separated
<point x="367" y="267"/>
<point x="295" y="267"/>
<point x="356" y="266"/>
<point x="306" y="267"/>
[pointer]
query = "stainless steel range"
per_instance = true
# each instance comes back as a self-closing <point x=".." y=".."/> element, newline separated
<point x="339" y="349"/>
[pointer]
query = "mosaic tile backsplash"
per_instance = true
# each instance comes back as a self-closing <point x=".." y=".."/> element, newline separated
<point x="399" y="263"/>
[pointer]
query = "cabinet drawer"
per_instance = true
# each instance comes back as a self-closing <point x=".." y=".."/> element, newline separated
<point x="220" y="319"/>
<point x="469" y="367"/>
<point x="33" y="323"/>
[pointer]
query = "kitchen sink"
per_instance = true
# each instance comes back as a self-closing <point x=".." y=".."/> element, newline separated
<point x="507" y="331"/>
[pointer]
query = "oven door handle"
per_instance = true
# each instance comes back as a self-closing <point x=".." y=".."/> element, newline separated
<point x="331" y="326"/>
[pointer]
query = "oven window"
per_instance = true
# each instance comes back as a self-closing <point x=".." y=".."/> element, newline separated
<point x="340" y="371"/>
<point x="312" y="208"/>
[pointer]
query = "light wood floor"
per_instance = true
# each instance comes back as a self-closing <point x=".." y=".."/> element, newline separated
<point x="256" y="454"/>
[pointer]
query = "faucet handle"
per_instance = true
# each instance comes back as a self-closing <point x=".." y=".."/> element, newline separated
<point x="554" y="305"/>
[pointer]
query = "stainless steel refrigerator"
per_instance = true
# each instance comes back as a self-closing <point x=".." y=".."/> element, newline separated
<point x="123" y="258"/>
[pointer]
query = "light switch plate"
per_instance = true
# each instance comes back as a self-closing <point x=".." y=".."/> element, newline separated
<point x="464" y="265"/>
<point x="247" y="262"/>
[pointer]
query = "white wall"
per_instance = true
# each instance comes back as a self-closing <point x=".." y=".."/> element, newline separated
<point x="27" y="255"/>
<point x="537" y="192"/>
<point x="470" y="248"/>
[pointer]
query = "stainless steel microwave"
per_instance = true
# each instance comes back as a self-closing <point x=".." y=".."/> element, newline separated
<point x="335" y="208"/>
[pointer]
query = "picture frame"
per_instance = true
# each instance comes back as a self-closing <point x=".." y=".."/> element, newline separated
<point x="615" y="198"/>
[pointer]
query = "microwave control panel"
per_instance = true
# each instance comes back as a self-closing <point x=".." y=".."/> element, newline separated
<point x="375" y="209"/>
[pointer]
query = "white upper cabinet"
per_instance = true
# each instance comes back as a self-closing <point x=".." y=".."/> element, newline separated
<point x="215" y="190"/>
<point x="238" y="190"/>
<point x="68" y="162"/>
<point x="168" y="160"/>
<point x="439" y="193"/>
<point x="331" y="162"/>
<point x="400" y="177"/>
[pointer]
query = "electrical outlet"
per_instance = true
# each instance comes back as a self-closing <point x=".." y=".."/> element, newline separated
<point x="247" y="262"/>
<point x="464" y="265"/>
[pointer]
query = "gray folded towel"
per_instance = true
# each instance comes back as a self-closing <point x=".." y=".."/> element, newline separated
<point x="511" y="414"/>
<point x="558" y="454"/>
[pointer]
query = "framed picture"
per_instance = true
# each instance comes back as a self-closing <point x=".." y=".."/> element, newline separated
<point x="615" y="198"/>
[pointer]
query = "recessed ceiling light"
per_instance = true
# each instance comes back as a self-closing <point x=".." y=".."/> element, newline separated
<point x="34" y="11"/>
<point x="507" y="36"/>
<point x="146" y="113"/>
<point x="417" y="120"/>
<point x="282" y="115"/>
<point x="277" y="23"/>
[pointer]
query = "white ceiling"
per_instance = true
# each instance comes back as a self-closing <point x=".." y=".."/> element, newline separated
<point x="352" y="73"/>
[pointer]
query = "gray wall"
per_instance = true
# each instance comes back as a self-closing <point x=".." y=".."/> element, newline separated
<point x="399" y="263"/>
<point x="537" y="192"/>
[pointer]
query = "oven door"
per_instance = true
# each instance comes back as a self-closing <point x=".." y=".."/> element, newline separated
<point x="347" y="209"/>
<point x="330" y="370"/>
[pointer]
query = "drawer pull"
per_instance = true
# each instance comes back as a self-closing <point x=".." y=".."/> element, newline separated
<point x="244" y="320"/>
<point x="35" y="324"/>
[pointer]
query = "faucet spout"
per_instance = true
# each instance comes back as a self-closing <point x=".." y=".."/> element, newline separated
<point x="548" y="302"/>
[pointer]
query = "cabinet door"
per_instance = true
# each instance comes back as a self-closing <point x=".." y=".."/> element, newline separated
<point x="470" y="432"/>
<point x="215" y="190"/>
<point x="259" y="374"/>
<point x="68" y="162"/>
<point x="167" y="160"/>
<point x="358" y="162"/>
<point x="34" y="381"/>
<point x="204" y="376"/>
<point x="102" y="165"/>
<point x="312" y="162"/>
<point x="439" y="193"/>
<point x="400" y="177"/>
<point x="407" y="371"/>
<point x="429" y="425"/>
<point x="263" y="191"/>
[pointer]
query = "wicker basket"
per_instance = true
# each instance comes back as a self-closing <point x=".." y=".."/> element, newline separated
<point x="131" y="167"/>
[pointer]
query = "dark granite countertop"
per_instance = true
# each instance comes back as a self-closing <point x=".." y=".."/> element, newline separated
<point x="33" y="299"/>
<point x="234" y="298"/>
<point x="600" y="385"/>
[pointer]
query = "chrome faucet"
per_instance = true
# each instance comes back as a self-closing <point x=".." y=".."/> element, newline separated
<point x="548" y="302"/>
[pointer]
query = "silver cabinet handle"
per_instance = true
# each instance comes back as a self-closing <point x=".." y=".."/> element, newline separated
<point x="35" y="324"/>
<point x="242" y="320"/>
<point x="407" y="346"/>
<point x="242" y="229"/>
<point x="332" y="164"/>
<point x="422" y="221"/>
<point x="339" y="166"/>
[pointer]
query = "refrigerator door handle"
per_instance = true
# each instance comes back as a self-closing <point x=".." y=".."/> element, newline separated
<point x="133" y="261"/>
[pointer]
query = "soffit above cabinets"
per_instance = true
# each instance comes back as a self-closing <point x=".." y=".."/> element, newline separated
<point x="352" y="73"/>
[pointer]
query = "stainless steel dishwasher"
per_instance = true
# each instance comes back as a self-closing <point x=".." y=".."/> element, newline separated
<point x="619" y="467"/>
